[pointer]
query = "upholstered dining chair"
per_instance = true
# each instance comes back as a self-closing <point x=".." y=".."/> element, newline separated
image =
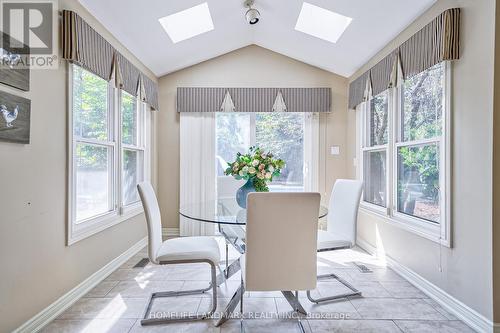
<point x="281" y="237"/>
<point x="184" y="250"/>
<point x="341" y="229"/>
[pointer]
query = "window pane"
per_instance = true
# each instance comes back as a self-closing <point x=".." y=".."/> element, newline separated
<point x="375" y="177"/>
<point x="92" y="181"/>
<point x="378" y="120"/>
<point x="233" y="136"/>
<point x="90" y="104"/>
<point x="283" y="135"/>
<point x="418" y="181"/>
<point x="132" y="175"/>
<point x="422" y="104"/>
<point x="129" y="119"/>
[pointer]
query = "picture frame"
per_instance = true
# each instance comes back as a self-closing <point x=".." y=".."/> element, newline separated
<point x="15" y="118"/>
<point x="14" y="71"/>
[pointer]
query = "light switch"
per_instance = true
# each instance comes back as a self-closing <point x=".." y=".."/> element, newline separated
<point x="335" y="150"/>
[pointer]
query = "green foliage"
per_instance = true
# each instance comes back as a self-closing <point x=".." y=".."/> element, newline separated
<point x="90" y="117"/>
<point x="129" y="118"/>
<point x="422" y="118"/>
<point x="258" y="166"/>
<point x="90" y="104"/>
<point x="282" y="133"/>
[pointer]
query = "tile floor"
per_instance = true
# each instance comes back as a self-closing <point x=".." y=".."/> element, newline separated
<point x="389" y="303"/>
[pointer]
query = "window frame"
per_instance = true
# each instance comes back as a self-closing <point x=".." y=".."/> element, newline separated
<point x="365" y="147"/>
<point x="437" y="232"/>
<point x="140" y="146"/>
<point x="311" y="128"/>
<point x="119" y="213"/>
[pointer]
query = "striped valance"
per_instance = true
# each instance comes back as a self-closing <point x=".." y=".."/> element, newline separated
<point x="436" y="42"/>
<point x="199" y="99"/>
<point x="85" y="47"/>
<point x="358" y="90"/>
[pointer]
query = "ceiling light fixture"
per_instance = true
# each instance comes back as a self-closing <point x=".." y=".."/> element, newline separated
<point x="252" y="15"/>
<point x="188" y="23"/>
<point x="321" y="23"/>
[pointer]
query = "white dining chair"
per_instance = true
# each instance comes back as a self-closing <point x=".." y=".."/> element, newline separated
<point x="281" y="237"/>
<point x="341" y="229"/>
<point x="184" y="250"/>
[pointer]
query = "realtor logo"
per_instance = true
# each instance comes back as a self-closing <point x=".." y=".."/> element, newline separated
<point x="29" y="31"/>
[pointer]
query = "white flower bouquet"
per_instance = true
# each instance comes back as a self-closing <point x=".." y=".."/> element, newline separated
<point x="257" y="166"/>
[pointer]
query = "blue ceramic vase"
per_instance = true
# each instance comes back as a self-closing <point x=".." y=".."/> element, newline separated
<point x="242" y="193"/>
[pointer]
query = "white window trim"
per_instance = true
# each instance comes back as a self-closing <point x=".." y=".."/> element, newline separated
<point x="439" y="233"/>
<point x="120" y="213"/>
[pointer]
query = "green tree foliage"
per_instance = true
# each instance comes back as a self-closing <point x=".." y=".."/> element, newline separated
<point x="90" y="117"/>
<point x="280" y="133"/>
<point x="283" y="134"/>
<point x="422" y="117"/>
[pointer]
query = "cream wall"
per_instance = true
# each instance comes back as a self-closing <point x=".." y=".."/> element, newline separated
<point x="251" y="66"/>
<point x="37" y="267"/>
<point x="467" y="267"/>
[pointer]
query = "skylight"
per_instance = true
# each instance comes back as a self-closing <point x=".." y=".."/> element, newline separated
<point x="188" y="23"/>
<point x="321" y="23"/>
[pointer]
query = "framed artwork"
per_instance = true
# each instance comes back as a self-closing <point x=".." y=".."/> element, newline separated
<point x="15" y="114"/>
<point x="13" y="71"/>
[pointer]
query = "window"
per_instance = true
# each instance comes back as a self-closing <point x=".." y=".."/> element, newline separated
<point x="132" y="148"/>
<point x="288" y="135"/>
<point x="108" y="154"/>
<point x="405" y="153"/>
<point x="375" y="151"/>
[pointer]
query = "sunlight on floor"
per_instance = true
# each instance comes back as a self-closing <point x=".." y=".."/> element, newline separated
<point x="115" y="309"/>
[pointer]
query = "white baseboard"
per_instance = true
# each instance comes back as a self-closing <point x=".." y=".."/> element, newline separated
<point x="170" y="232"/>
<point x="51" y="312"/>
<point x="463" y="312"/>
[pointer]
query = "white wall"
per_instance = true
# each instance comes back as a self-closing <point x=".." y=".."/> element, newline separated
<point x="37" y="267"/>
<point x="251" y="66"/>
<point x="467" y="267"/>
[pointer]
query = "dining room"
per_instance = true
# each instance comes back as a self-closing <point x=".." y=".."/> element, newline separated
<point x="249" y="166"/>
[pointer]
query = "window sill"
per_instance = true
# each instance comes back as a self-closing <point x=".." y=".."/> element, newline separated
<point x="414" y="226"/>
<point x="102" y="223"/>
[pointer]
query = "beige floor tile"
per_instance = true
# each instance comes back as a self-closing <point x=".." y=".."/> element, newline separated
<point x="149" y="273"/>
<point x="264" y="326"/>
<point x="342" y="309"/>
<point x="370" y="289"/>
<point x="102" y="289"/>
<point x="402" y="289"/>
<point x="189" y="273"/>
<point x="353" y="326"/>
<point x="143" y="289"/>
<point x="106" y="308"/>
<point x="379" y="275"/>
<point x="441" y="309"/>
<point x="258" y="307"/>
<point x="225" y="290"/>
<point x="116" y="304"/>
<point x="202" y="326"/>
<point x="392" y="308"/>
<point x="168" y="307"/>
<point x="450" y="326"/>
<point x="89" y="325"/>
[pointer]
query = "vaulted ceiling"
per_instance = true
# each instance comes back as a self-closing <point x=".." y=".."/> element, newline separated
<point x="374" y="23"/>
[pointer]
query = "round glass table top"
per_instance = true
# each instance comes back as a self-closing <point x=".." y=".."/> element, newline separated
<point x="223" y="211"/>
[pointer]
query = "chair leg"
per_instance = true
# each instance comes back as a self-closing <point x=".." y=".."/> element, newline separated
<point x="199" y="316"/>
<point x="355" y="292"/>
<point x="242" y="327"/>
<point x="231" y="305"/>
<point x="293" y="300"/>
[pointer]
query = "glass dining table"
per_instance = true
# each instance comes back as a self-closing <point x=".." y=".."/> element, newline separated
<point x="231" y="220"/>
